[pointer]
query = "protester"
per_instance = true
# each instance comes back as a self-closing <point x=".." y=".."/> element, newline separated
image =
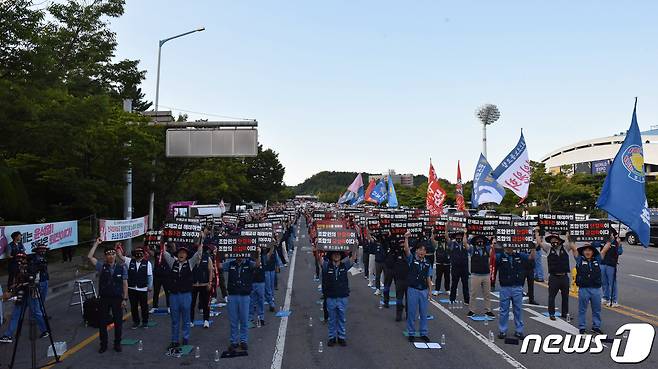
<point x="240" y="278"/>
<point x="335" y="286"/>
<point x="20" y="286"/>
<point x="558" y="272"/>
<point x="419" y="282"/>
<point x="180" y="297"/>
<point x="397" y="269"/>
<point x="609" y="270"/>
<point x="113" y="291"/>
<point x="529" y="265"/>
<point x="539" y="266"/>
<point x="38" y="266"/>
<point x="458" y="264"/>
<point x="202" y="275"/>
<point x="380" y="247"/>
<point x="257" y="299"/>
<point x="14" y="248"/>
<point x="161" y="276"/>
<point x="442" y="254"/>
<point x="511" y="272"/>
<point x="140" y="283"/>
<point x="270" y="267"/>
<point x="588" y="280"/>
<point x="479" y="250"/>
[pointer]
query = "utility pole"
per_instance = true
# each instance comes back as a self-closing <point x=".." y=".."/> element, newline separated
<point x="128" y="193"/>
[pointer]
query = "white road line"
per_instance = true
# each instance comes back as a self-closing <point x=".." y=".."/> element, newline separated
<point x="652" y="261"/>
<point x="512" y="361"/>
<point x="641" y="277"/>
<point x="277" y="359"/>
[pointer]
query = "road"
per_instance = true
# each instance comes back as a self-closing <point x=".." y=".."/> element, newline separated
<point x="374" y="338"/>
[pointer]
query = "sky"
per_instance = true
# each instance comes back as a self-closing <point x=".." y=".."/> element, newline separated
<point x="356" y="85"/>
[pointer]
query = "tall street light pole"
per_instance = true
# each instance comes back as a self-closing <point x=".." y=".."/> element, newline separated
<point x="157" y="100"/>
<point x="488" y="114"/>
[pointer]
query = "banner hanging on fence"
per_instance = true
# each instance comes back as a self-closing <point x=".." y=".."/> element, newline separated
<point x="55" y="235"/>
<point x="122" y="229"/>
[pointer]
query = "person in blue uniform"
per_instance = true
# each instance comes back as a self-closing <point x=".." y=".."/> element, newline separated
<point x="479" y="249"/>
<point x="270" y="266"/>
<point x="113" y="291"/>
<point x="457" y="245"/>
<point x="609" y="269"/>
<point x="140" y="283"/>
<point x="202" y="275"/>
<point x="588" y="280"/>
<point x="557" y="257"/>
<point x="379" y="248"/>
<point x="511" y="266"/>
<point x="418" y="286"/>
<point x="161" y="275"/>
<point x="335" y="287"/>
<point x="13" y="248"/>
<point x="240" y="278"/>
<point x="257" y="299"/>
<point x="397" y="269"/>
<point x="180" y="296"/>
<point x="442" y="257"/>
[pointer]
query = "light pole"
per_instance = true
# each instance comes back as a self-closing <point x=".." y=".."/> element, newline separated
<point x="157" y="100"/>
<point x="487" y="114"/>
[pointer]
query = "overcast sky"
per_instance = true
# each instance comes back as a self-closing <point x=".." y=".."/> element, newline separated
<point x="372" y="85"/>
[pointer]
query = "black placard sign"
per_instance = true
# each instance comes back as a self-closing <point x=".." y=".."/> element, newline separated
<point x="531" y="223"/>
<point x="264" y="235"/>
<point x="336" y="239"/>
<point x="415" y="227"/>
<point x="237" y="246"/>
<point x="266" y="225"/>
<point x="183" y="230"/>
<point x="481" y="226"/>
<point x="557" y="223"/>
<point x="456" y="224"/>
<point x="519" y="238"/>
<point x="152" y="239"/>
<point x="504" y="220"/>
<point x="589" y="230"/>
<point x="398" y="229"/>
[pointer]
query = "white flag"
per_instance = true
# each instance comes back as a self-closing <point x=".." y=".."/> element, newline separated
<point x="514" y="171"/>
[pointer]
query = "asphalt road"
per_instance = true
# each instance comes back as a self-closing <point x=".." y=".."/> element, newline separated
<point x="374" y="338"/>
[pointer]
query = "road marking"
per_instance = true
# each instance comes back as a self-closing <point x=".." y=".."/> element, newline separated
<point x="507" y="357"/>
<point x="622" y="309"/>
<point x="557" y="323"/>
<point x="642" y="277"/>
<point x="652" y="261"/>
<point x="277" y="359"/>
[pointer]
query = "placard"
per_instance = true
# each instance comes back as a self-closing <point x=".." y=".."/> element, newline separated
<point x="183" y="230"/>
<point x="481" y="226"/>
<point x="336" y="239"/>
<point x="589" y="230"/>
<point x="122" y="229"/>
<point x="237" y="247"/>
<point x="557" y="223"/>
<point x="519" y="238"/>
<point x="456" y="224"/>
<point x="267" y="225"/>
<point x="265" y="236"/>
<point x="528" y="223"/>
<point x="329" y="224"/>
<point x="504" y="220"/>
<point x="152" y="239"/>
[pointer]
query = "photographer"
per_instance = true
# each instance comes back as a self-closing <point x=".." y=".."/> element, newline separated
<point x="21" y="289"/>
<point x="38" y="266"/>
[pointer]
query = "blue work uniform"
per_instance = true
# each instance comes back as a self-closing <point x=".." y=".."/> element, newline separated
<point x="257" y="300"/>
<point x="417" y="294"/>
<point x="511" y="274"/>
<point x="588" y="280"/>
<point x="110" y="289"/>
<point x="459" y="269"/>
<point x="269" y="266"/>
<point x="609" y="271"/>
<point x="335" y="286"/>
<point x="240" y="279"/>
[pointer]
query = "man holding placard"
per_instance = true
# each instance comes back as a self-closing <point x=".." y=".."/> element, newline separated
<point x="419" y="283"/>
<point x="557" y="257"/>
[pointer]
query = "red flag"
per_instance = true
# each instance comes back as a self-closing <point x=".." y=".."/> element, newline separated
<point x="371" y="186"/>
<point x="436" y="195"/>
<point x="459" y="191"/>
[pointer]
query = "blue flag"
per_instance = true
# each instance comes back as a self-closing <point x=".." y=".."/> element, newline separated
<point x="485" y="188"/>
<point x="360" y="196"/>
<point x="392" y="197"/>
<point x="379" y="193"/>
<point x="623" y="195"/>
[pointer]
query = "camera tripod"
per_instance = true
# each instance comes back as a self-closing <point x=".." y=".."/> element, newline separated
<point x="32" y="293"/>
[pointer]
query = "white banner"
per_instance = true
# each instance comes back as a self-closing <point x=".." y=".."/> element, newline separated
<point x="122" y="229"/>
<point x="514" y="171"/>
<point x="55" y="235"/>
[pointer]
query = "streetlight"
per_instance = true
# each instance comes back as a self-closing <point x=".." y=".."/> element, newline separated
<point x="487" y="114"/>
<point x="157" y="98"/>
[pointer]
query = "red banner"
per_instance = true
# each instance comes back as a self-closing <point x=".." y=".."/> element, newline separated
<point x="459" y="191"/>
<point x="436" y="195"/>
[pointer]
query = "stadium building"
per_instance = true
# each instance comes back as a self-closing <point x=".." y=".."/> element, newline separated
<point x="406" y="180"/>
<point x="595" y="156"/>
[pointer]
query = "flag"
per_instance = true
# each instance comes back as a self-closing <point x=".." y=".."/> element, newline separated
<point x="623" y="195"/>
<point x="359" y="196"/>
<point x="436" y="195"/>
<point x="392" y="197"/>
<point x="379" y="194"/>
<point x="356" y="184"/>
<point x="346" y="197"/>
<point x="371" y="187"/>
<point x="485" y="187"/>
<point x="222" y="207"/>
<point x="459" y="191"/>
<point x="514" y="171"/>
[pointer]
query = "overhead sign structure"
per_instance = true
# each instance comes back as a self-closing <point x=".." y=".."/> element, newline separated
<point x="212" y="139"/>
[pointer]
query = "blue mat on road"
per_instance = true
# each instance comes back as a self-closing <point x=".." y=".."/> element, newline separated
<point x="481" y="318"/>
<point x="445" y="301"/>
<point x="283" y="313"/>
<point x="557" y="314"/>
<point x="199" y="323"/>
<point x="390" y="303"/>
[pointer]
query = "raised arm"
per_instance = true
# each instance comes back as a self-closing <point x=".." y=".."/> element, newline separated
<point x="407" y="252"/>
<point x="92" y="252"/>
<point x="539" y="241"/>
<point x="167" y="256"/>
<point x="606" y="248"/>
<point x="572" y="246"/>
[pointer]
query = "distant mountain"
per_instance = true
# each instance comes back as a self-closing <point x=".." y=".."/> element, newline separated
<point x="327" y="182"/>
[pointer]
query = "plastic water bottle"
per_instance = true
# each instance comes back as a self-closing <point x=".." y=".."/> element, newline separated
<point x="140" y="345"/>
<point x="310" y="321"/>
<point x="216" y="355"/>
<point x="491" y="336"/>
<point x="568" y="318"/>
<point x="197" y="352"/>
<point x="320" y="347"/>
<point x="486" y="320"/>
<point x="257" y="322"/>
<point x="77" y="274"/>
<point x="443" y="340"/>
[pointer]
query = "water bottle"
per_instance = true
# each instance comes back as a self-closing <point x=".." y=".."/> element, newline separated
<point x="459" y="304"/>
<point x="310" y="321"/>
<point x="257" y="322"/>
<point x="491" y="336"/>
<point x="216" y="355"/>
<point x="380" y="306"/>
<point x="443" y="340"/>
<point x="486" y="320"/>
<point x="450" y="305"/>
<point x="140" y="345"/>
<point x="197" y="352"/>
<point x="568" y="318"/>
<point x="77" y="274"/>
<point x="321" y="347"/>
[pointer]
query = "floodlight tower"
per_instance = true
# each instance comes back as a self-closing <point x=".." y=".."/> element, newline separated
<point x="488" y="114"/>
